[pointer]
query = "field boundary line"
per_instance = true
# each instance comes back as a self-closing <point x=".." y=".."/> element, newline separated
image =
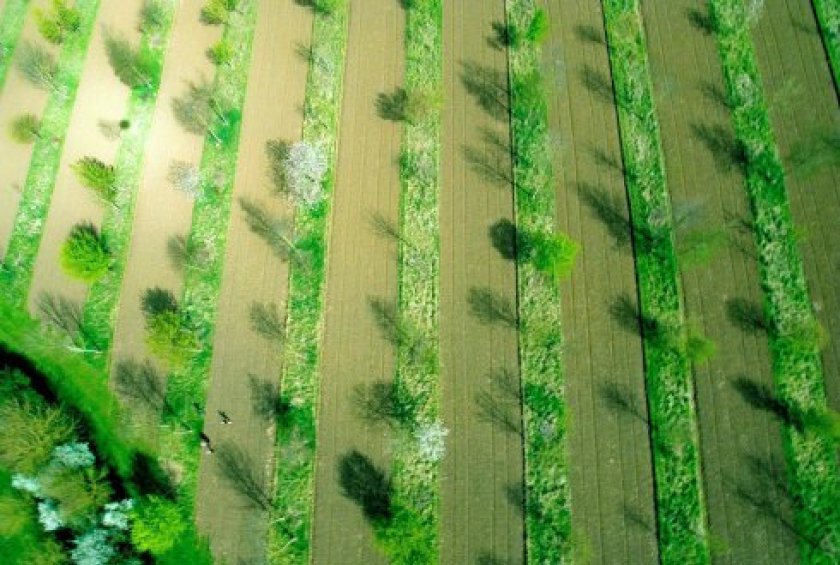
<point x="828" y="16"/>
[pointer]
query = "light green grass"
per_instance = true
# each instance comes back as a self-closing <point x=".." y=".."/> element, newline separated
<point x="290" y="534"/>
<point x="100" y="308"/>
<point x="680" y="505"/>
<point x="828" y="16"/>
<point x="37" y="191"/>
<point x="794" y="344"/>
<point x="11" y="26"/>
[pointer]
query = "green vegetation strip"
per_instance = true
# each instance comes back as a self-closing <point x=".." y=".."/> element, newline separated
<point x="547" y="502"/>
<point x="828" y="15"/>
<point x="795" y="334"/>
<point x="411" y="534"/>
<point x="289" y="538"/>
<point x="102" y="300"/>
<point x="676" y="454"/>
<point x="187" y="383"/>
<point x="46" y="157"/>
<point x="11" y="26"/>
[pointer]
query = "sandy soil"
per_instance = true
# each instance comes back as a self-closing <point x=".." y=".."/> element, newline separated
<point x="101" y="96"/>
<point x="609" y="450"/>
<point x="252" y="273"/>
<point x="161" y="212"/>
<point x="362" y="266"/>
<point x="685" y="66"/>
<point x="481" y="477"/>
<point x="17" y="97"/>
<point x="803" y="104"/>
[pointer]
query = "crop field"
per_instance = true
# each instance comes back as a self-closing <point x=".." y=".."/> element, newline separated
<point x="419" y="281"/>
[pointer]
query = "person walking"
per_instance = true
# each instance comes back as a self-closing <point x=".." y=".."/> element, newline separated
<point x="225" y="418"/>
<point x="206" y="443"/>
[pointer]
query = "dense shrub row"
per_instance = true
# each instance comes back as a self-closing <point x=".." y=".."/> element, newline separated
<point x="828" y="15"/>
<point x="670" y="387"/>
<point x="795" y="334"/>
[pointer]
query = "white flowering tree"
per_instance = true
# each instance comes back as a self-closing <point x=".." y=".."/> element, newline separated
<point x="430" y="439"/>
<point x="186" y="178"/>
<point x="305" y="166"/>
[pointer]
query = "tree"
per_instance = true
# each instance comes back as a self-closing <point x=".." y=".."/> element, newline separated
<point x="266" y="321"/>
<point x="140" y="382"/>
<point x="158" y="524"/>
<point x="304" y="169"/>
<point x="78" y="492"/>
<point x="197" y="109"/>
<point x="168" y="339"/>
<point x="31" y="430"/>
<point x="221" y="52"/>
<point x="538" y="27"/>
<point x="217" y="12"/>
<point x="97" y="176"/>
<point x="153" y="16"/>
<point x="404" y="106"/>
<point x="277" y="232"/>
<point x="553" y="255"/>
<point x="38" y="66"/>
<point x="26" y="128"/>
<point x="133" y="66"/>
<point x="365" y="484"/>
<point x="58" y="21"/>
<point x="85" y="254"/>
<point x="62" y="314"/>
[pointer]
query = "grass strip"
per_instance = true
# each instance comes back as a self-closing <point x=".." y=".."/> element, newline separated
<point x="100" y="308"/>
<point x="34" y="204"/>
<point x="547" y="499"/>
<point x="828" y="16"/>
<point x="291" y="520"/>
<point x="187" y="385"/>
<point x="681" y="514"/>
<point x="11" y="26"/>
<point x="411" y="534"/>
<point x="795" y="334"/>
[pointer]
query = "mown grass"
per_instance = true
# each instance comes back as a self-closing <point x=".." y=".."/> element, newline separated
<point x="547" y="502"/>
<point x="411" y="536"/>
<point x="187" y="385"/>
<point x="11" y="26"/>
<point x="289" y="536"/>
<point x="680" y="507"/>
<point x="794" y="331"/>
<point x="100" y="308"/>
<point x="828" y="16"/>
<point x="37" y="191"/>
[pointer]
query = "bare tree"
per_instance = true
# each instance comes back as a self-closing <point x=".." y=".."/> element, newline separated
<point x="142" y="383"/>
<point x="198" y="108"/>
<point x="38" y="66"/>
<point x="277" y="232"/>
<point x="62" y="314"/>
<point x="241" y="472"/>
<point x="266" y="321"/>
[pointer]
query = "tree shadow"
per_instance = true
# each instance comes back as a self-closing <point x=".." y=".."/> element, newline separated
<point x="490" y="164"/>
<point x="605" y="160"/>
<point x="491" y="308"/>
<point x="239" y="470"/>
<point x="503" y="36"/>
<point x="515" y="494"/>
<point x="590" y="34"/>
<point x="387" y="229"/>
<point x="142" y="384"/>
<point x="396" y="330"/>
<point x="728" y="152"/>
<point x="609" y="210"/>
<point x="504" y="238"/>
<point x="267" y="402"/>
<point x="277" y="232"/>
<point x="499" y="402"/>
<point x="626" y="313"/>
<point x="762" y="397"/>
<point x="747" y="316"/>
<point x="385" y="402"/>
<point x="701" y="20"/>
<point x="489" y="88"/>
<point x="365" y="484"/>
<point x="598" y="84"/>
<point x="635" y="517"/>
<point x="621" y="398"/>
<point x="714" y="93"/>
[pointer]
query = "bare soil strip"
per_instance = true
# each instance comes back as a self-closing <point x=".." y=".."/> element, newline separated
<point x="71" y="202"/>
<point x="803" y="109"/>
<point x="252" y="273"/>
<point x="17" y="97"/>
<point x="481" y="477"/>
<point x="740" y="444"/>
<point x="613" y="517"/>
<point x="362" y="268"/>
<point x="160" y="211"/>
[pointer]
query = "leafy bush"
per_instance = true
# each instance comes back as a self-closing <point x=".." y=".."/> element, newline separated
<point x="85" y="254"/>
<point x="158" y="524"/>
<point x="58" y="21"/>
<point x="30" y="432"/>
<point x="553" y="255"/>
<point x="97" y="176"/>
<point x="26" y="128"/>
<point x="221" y="52"/>
<point x="217" y="12"/>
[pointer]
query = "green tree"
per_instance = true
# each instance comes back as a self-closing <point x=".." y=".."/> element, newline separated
<point x="158" y="524"/>
<point x="26" y="128"/>
<point x="133" y="66"/>
<point x="168" y="339"/>
<point x="553" y="255"/>
<point x="38" y="66"/>
<point x="79" y="492"/>
<point x="538" y="27"/>
<point x="221" y="52"/>
<point x="85" y="254"/>
<point x="58" y="21"/>
<point x="97" y="176"/>
<point x="30" y="432"/>
<point x="217" y="12"/>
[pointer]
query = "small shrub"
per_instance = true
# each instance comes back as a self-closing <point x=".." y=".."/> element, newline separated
<point x="217" y="12"/>
<point x="553" y="255"/>
<point x="158" y="524"/>
<point x="58" y="21"/>
<point x="221" y="52"/>
<point x="98" y="177"/>
<point x="85" y="254"/>
<point x="26" y="128"/>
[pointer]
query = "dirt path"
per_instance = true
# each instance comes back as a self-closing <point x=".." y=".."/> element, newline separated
<point x="362" y="267"/>
<point x="17" y="97"/>
<point x="803" y="105"/>
<point x="101" y="96"/>
<point x="252" y="273"/>
<point x="609" y="450"/>
<point x="734" y="436"/>
<point x="161" y="212"/>
<point x="481" y="478"/>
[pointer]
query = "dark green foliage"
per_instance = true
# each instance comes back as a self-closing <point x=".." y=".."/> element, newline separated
<point x="58" y="21"/>
<point x="553" y="255"/>
<point x="506" y="35"/>
<point x="158" y="300"/>
<point x="97" y="176"/>
<point x="538" y="27"/>
<point x="38" y="66"/>
<point x="85" y="254"/>
<point x="277" y="151"/>
<point x="404" y="538"/>
<point x="133" y="66"/>
<point x="217" y="12"/>
<point x="26" y="128"/>
<point x="365" y="484"/>
<point x="169" y="340"/>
